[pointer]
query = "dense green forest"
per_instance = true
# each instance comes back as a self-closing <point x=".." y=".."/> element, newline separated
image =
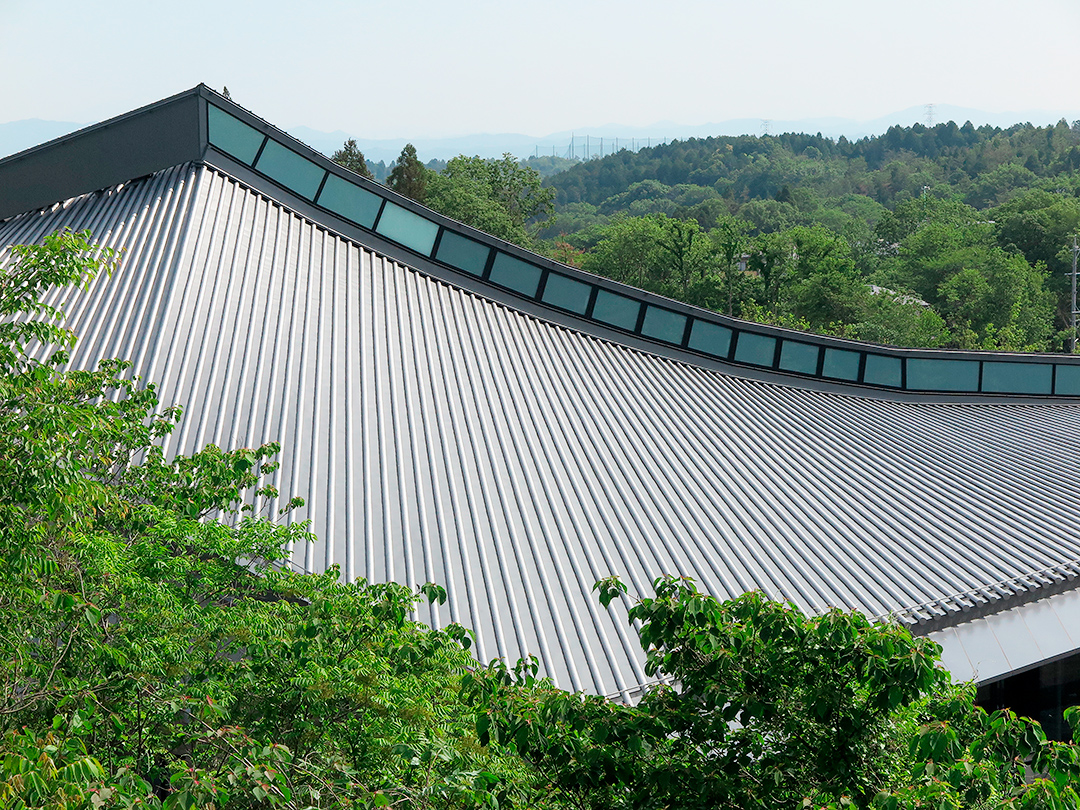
<point x="944" y="236"/>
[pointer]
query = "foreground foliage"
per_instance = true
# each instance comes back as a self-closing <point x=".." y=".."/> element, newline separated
<point x="761" y="707"/>
<point x="153" y="651"/>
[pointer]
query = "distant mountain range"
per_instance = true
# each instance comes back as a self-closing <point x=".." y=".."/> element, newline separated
<point x="18" y="135"/>
<point x="611" y="137"/>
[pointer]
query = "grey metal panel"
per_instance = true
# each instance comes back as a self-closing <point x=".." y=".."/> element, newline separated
<point x="953" y="657"/>
<point x="438" y="435"/>
<point x="148" y="140"/>
<point x="983" y="650"/>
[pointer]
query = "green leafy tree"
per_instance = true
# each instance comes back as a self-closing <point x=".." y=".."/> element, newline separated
<point x="898" y="319"/>
<point x="730" y="241"/>
<point x="669" y="256"/>
<point x="409" y="176"/>
<point x="500" y="197"/>
<point x="823" y="285"/>
<point x="155" y="648"/>
<point x="770" y="258"/>
<point x="629" y="251"/>
<point x="350" y="157"/>
<point x="686" y="252"/>
<point x="989" y="297"/>
<point x="758" y="705"/>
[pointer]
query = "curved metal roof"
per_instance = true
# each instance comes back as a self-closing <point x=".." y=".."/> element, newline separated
<point x="444" y="428"/>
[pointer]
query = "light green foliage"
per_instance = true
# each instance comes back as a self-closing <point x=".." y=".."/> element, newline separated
<point x="729" y="242"/>
<point x="669" y="256"/>
<point x="155" y="650"/>
<point x="629" y="251"/>
<point x="63" y="259"/>
<point x="500" y="197"/>
<point x="763" y="707"/>
<point x="823" y="285"/>
<point x="895" y="319"/>
<point x="948" y="254"/>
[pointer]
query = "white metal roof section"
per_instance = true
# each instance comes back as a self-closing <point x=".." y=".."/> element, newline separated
<point x="437" y="435"/>
<point x="1013" y="640"/>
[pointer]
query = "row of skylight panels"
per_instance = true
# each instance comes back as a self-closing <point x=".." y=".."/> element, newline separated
<point x="612" y="309"/>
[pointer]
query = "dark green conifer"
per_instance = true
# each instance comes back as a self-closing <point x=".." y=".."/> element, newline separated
<point x="409" y="177"/>
<point x="350" y="156"/>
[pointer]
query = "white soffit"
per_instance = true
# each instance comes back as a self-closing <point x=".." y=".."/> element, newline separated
<point x="1012" y="640"/>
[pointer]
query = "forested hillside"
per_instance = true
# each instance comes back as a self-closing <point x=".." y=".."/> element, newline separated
<point x="945" y="236"/>
<point x="950" y="235"/>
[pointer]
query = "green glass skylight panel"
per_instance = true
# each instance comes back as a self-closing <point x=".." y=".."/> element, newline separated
<point x="350" y="201"/>
<point x="617" y="310"/>
<point x="924" y="374"/>
<point x="515" y="274"/>
<point x="566" y="293"/>
<point x="1017" y="378"/>
<point x="840" y="364"/>
<point x="711" y="338"/>
<point x="463" y="253"/>
<point x="798" y="357"/>
<point x="663" y="324"/>
<point x="1067" y="381"/>
<point x="758" y="350"/>
<point x="233" y="136"/>
<point x="294" y="172"/>
<point x="882" y="370"/>
<point x="407" y="228"/>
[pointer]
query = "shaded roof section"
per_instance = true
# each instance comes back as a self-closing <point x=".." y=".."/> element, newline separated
<point x="202" y="126"/>
<point x="440" y="435"/>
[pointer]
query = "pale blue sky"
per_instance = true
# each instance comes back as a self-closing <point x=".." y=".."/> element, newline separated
<point x="434" y="68"/>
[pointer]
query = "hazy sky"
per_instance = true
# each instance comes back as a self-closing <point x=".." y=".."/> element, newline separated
<point x="436" y="67"/>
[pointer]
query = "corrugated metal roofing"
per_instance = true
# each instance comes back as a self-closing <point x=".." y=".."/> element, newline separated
<point x="439" y="436"/>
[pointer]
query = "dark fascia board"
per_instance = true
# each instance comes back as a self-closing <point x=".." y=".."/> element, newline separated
<point x="138" y="143"/>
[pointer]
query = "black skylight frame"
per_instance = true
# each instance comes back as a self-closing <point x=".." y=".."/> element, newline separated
<point x="201" y="125"/>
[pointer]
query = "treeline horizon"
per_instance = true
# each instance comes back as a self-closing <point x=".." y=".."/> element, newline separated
<point x="946" y="236"/>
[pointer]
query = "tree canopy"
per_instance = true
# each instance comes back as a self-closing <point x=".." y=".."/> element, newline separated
<point x="757" y="705"/>
<point x="501" y="197"/>
<point x="408" y="175"/>
<point x="958" y="236"/>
